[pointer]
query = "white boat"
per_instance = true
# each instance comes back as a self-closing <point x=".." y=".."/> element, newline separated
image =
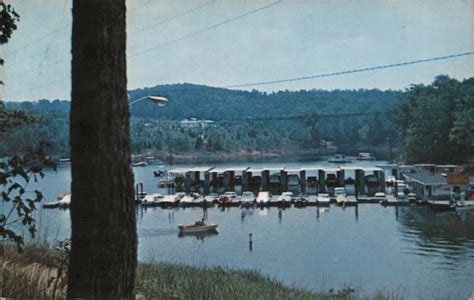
<point x="140" y="164"/>
<point x="464" y="205"/>
<point x="312" y="200"/>
<point x="228" y="199"/>
<point x="248" y="198"/>
<point x="379" y="196"/>
<point x="264" y="198"/>
<point x="199" y="226"/>
<point x="285" y="199"/>
<point x="324" y="199"/>
<point x="412" y="197"/>
<point x="152" y="200"/>
<point x="180" y="195"/>
<point x="301" y="201"/>
<point x="211" y="198"/>
<point x="198" y="200"/>
<point x="341" y="196"/>
<point x="339" y="158"/>
<point x="168" y="201"/>
<point x="365" y="156"/>
<point x="188" y="200"/>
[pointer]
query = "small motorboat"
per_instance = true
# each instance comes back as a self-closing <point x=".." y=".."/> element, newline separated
<point x="464" y="205"/>
<point x="212" y="197"/>
<point x="247" y="199"/>
<point x="341" y="196"/>
<point x="412" y="197"/>
<point x="339" y="159"/>
<point x="323" y="199"/>
<point x="228" y="199"/>
<point x="168" y="201"/>
<point x="365" y="156"/>
<point x="264" y="198"/>
<point x="199" y="226"/>
<point x="284" y="200"/>
<point x="377" y="198"/>
<point x="152" y="200"/>
<point x="140" y="164"/>
<point x="301" y="201"/>
<point x="188" y="200"/>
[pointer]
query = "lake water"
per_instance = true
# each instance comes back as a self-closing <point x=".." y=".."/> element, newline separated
<point x="408" y="250"/>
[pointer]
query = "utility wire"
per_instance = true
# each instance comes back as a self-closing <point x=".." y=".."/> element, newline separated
<point x="306" y="77"/>
<point x="39" y="39"/>
<point x="204" y="29"/>
<point x="188" y="35"/>
<point x="172" y="18"/>
<point x="130" y="34"/>
<point x="351" y="71"/>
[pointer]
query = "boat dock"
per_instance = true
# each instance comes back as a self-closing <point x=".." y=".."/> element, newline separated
<point x="366" y="180"/>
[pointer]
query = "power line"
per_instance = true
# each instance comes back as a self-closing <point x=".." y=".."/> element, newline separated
<point x="135" y="32"/>
<point x="172" y="17"/>
<point x="351" y="71"/>
<point x="205" y="29"/>
<point x="191" y="34"/>
<point x="313" y="76"/>
<point x="37" y="40"/>
<point x="26" y="45"/>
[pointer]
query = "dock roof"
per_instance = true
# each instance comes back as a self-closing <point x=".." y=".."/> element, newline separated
<point x="426" y="178"/>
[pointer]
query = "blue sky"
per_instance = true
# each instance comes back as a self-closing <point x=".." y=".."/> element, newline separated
<point x="290" y="39"/>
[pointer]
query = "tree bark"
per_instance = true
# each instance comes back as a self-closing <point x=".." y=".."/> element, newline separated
<point x="104" y="241"/>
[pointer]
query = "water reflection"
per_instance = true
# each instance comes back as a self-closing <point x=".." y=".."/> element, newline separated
<point x="200" y="236"/>
<point x="448" y="234"/>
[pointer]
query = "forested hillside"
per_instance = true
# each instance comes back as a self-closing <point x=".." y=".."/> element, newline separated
<point x="436" y="121"/>
<point x="285" y="121"/>
<point x="427" y="123"/>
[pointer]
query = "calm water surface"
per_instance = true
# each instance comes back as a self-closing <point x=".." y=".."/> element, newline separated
<point x="409" y="250"/>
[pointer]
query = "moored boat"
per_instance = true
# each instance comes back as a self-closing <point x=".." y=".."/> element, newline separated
<point x="340" y="159"/>
<point x="188" y="200"/>
<point x="324" y="199"/>
<point x="140" y="164"/>
<point x="168" y="201"/>
<point x="152" y="200"/>
<point x="247" y="199"/>
<point x="464" y="205"/>
<point x="301" y="201"/>
<point x="263" y="198"/>
<point x="227" y="199"/>
<point x="284" y="200"/>
<point x="341" y="196"/>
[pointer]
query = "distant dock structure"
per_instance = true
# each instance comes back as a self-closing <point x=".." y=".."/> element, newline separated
<point x="365" y="180"/>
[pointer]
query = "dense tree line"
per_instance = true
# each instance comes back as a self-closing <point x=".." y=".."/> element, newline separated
<point x="272" y="125"/>
<point x="436" y="121"/>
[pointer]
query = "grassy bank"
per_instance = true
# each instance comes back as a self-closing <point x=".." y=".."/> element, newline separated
<point x="34" y="274"/>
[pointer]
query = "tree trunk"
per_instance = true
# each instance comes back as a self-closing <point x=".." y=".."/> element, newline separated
<point x="104" y="241"/>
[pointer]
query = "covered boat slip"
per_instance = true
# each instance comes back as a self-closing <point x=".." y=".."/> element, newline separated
<point x="304" y="180"/>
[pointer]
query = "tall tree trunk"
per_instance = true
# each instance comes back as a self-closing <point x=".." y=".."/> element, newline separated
<point x="104" y="241"/>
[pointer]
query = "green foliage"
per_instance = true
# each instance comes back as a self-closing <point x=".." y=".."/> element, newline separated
<point x="15" y="175"/>
<point x="436" y="121"/>
<point x="8" y="18"/>
<point x="244" y="121"/>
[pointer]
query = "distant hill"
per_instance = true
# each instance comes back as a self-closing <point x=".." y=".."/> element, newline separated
<point x="204" y="102"/>
<point x="159" y="130"/>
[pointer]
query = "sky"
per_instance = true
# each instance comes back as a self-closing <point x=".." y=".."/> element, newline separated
<point x="190" y="41"/>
